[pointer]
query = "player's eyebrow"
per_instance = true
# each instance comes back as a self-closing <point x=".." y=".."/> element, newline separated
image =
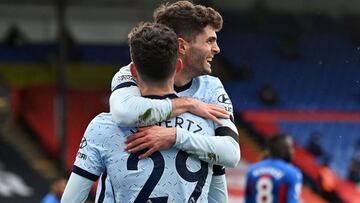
<point x="212" y="39"/>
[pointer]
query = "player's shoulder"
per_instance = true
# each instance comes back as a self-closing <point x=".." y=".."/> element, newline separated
<point x="212" y="85"/>
<point x="253" y="168"/>
<point x="123" y="75"/>
<point x="103" y="118"/>
<point x="290" y="169"/>
<point x="293" y="173"/>
<point x="294" y="169"/>
<point x="257" y="165"/>
<point x="102" y="123"/>
<point x="209" y="79"/>
<point x="124" y="70"/>
<point x="104" y="131"/>
<point x="273" y="163"/>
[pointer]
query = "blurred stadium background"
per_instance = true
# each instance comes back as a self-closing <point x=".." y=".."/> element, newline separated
<point x="290" y="66"/>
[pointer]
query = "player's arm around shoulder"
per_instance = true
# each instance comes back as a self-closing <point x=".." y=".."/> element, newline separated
<point x="130" y="109"/>
<point x="127" y="106"/>
<point x="230" y="141"/>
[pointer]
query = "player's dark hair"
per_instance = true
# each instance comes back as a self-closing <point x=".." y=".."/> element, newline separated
<point x="279" y="147"/>
<point x="187" y="20"/>
<point x="154" y="50"/>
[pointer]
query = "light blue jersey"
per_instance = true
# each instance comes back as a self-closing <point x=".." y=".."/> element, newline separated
<point x="208" y="89"/>
<point x="168" y="175"/>
<point x="205" y="88"/>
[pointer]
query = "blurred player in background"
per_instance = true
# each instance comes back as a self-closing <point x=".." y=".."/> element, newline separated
<point x="166" y="176"/>
<point x="275" y="179"/>
<point x="196" y="27"/>
<point x="56" y="191"/>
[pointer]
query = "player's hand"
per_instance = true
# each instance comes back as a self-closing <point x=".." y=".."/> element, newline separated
<point x="208" y="111"/>
<point x="152" y="138"/>
<point x="197" y="107"/>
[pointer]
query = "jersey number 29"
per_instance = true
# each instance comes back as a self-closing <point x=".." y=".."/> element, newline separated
<point x="159" y="167"/>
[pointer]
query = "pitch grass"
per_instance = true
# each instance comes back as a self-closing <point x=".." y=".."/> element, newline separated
<point x="79" y="76"/>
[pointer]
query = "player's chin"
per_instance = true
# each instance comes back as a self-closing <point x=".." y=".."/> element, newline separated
<point x="207" y="69"/>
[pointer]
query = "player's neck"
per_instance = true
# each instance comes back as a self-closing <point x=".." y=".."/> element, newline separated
<point x="157" y="90"/>
<point x="182" y="78"/>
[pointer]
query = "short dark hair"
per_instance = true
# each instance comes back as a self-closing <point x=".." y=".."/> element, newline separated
<point x="187" y="19"/>
<point x="154" y="50"/>
<point x="278" y="146"/>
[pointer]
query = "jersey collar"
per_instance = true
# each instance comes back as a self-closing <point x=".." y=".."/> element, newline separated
<point x="184" y="87"/>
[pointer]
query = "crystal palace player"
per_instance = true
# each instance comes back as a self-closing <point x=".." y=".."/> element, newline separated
<point x="275" y="179"/>
<point x="168" y="175"/>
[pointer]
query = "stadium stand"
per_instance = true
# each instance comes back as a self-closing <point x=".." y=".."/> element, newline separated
<point x="37" y="106"/>
<point x="318" y="87"/>
<point x="317" y="90"/>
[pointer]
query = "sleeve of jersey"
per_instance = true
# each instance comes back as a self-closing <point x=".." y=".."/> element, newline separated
<point x="129" y="109"/>
<point x="222" y="149"/>
<point x="219" y="96"/>
<point x="77" y="189"/>
<point x="218" y="190"/>
<point x="88" y="162"/>
<point x="294" y="189"/>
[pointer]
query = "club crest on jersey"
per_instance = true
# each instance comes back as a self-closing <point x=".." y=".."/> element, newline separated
<point x="224" y="98"/>
<point x="83" y="143"/>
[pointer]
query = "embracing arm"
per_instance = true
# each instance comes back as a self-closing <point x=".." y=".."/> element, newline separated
<point x="129" y="109"/>
<point x="222" y="149"/>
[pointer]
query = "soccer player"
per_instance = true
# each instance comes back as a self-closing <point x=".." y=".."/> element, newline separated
<point x="169" y="175"/>
<point x="196" y="27"/>
<point x="274" y="179"/>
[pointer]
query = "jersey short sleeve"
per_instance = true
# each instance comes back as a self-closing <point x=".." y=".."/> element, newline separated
<point x="89" y="160"/>
<point x="123" y="78"/>
<point x="221" y="97"/>
<point x="217" y="94"/>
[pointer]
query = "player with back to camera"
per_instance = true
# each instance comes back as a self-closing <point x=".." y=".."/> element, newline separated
<point x="169" y="175"/>
<point x="274" y="179"/>
<point x="196" y="27"/>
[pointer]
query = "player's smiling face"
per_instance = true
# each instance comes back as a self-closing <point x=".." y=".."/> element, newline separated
<point x="201" y="52"/>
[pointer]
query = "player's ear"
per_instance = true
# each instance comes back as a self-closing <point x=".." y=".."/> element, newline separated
<point x="133" y="71"/>
<point x="182" y="45"/>
<point x="179" y="65"/>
